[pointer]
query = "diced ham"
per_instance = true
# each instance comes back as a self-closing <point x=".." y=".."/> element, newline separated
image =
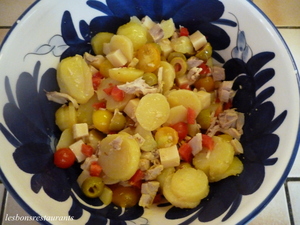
<point x="193" y="74"/>
<point x="144" y="164"/>
<point x="156" y="32"/>
<point x="153" y="172"/>
<point x="193" y="62"/>
<point x="196" y="143"/>
<point x="149" y="190"/>
<point x="225" y="91"/>
<point x="218" y="73"/>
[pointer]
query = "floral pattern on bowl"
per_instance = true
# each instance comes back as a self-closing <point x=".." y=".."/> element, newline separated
<point x="34" y="143"/>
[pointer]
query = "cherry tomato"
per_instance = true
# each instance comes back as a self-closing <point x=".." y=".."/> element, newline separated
<point x="126" y="196"/>
<point x="64" y="158"/>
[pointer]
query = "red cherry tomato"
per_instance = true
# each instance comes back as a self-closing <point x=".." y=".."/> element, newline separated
<point x="64" y="158"/>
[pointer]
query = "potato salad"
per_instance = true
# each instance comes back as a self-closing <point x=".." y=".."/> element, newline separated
<point x="148" y="116"/>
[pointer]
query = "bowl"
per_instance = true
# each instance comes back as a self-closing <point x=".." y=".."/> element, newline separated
<point x="245" y="43"/>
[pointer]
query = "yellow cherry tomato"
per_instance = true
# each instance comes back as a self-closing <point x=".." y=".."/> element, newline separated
<point x="101" y="120"/>
<point x="166" y="137"/>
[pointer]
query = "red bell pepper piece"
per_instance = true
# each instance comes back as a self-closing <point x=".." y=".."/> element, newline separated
<point x="96" y="79"/>
<point x="208" y="142"/>
<point x="99" y="105"/>
<point x="95" y="169"/>
<point x="185" y="152"/>
<point x="137" y="179"/>
<point x="117" y="94"/>
<point x="191" y="116"/>
<point x="183" y="31"/>
<point x="87" y="150"/>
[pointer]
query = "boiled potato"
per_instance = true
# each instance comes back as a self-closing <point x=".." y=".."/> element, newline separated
<point x="149" y="143"/>
<point x="119" y="156"/>
<point x="152" y="111"/>
<point x="183" y="45"/>
<point x="125" y="74"/>
<point x="164" y="175"/>
<point x="168" y="75"/>
<point x="66" y="139"/>
<point x="74" y="78"/>
<point x="177" y="114"/>
<point x="85" y="111"/>
<point x="189" y="184"/>
<point x="98" y="40"/>
<point x="111" y="104"/>
<point x="187" y="98"/>
<point x="183" y="190"/>
<point x="124" y="44"/>
<point x="217" y="162"/>
<point x="94" y="137"/>
<point x="137" y="33"/>
<point x="168" y="27"/>
<point x="235" y="168"/>
<point x="104" y="67"/>
<point x="65" y="116"/>
<point x="205" y="98"/>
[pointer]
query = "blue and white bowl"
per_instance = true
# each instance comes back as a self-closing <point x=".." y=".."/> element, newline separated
<point x="245" y="42"/>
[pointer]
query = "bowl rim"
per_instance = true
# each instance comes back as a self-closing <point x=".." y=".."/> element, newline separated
<point x="255" y="211"/>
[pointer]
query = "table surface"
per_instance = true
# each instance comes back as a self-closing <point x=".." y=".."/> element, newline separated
<point x="284" y="209"/>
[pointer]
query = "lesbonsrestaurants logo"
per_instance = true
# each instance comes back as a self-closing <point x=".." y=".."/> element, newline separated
<point x="18" y="217"/>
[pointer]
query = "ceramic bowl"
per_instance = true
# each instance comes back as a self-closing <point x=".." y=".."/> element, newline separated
<point x="245" y="43"/>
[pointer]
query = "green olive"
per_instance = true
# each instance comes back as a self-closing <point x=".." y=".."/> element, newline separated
<point x="204" y="118"/>
<point x="92" y="187"/>
<point x="179" y="65"/>
<point x="117" y="122"/>
<point x="175" y="54"/>
<point x="150" y="79"/>
<point x="205" y="52"/>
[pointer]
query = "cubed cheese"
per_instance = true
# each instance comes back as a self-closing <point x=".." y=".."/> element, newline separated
<point x="148" y="22"/>
<point x="117" y="58"/>
<point x="198" y="40"/>
<point x="169" y="157"/>
<point x="182" y="81"/>
<point x="131" y="107"/>
<point x="106" y="48"/>
<point x="80" y="130"/>
<point x="205" y="98"/>
<point x="76" y="148"/>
